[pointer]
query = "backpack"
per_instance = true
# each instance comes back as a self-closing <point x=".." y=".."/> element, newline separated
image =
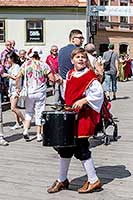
<point x="107" y="64"/>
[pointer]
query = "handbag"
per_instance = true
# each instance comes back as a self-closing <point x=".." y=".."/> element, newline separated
<point x="23" y="92"/>
<point x="107" y="64"/>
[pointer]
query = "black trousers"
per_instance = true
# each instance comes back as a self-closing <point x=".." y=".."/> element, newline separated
<point x="80" y="150"/>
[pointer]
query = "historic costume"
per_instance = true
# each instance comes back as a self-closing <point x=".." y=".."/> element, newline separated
<point x="88" y="117"/>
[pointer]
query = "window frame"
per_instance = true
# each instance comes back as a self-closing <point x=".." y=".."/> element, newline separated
<point x="4" y="30"/>
<point x="42" y="41"/>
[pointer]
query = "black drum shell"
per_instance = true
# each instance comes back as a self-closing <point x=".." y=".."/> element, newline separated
<point x="58" y="128"/>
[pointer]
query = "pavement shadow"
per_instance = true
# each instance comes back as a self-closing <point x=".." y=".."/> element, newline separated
<point x="14" y="137"/>
<point x="105" y="173"/>
<point x="99" y="140"/>
<point x="19" y="136"/>
<point x="95" y="142"/>
<point x="124" y="97"/>
<point x="10" y="124"/>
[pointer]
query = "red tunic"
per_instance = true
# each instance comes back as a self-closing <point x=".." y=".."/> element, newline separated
<point x="75" y="88"/>
<point x="53" y="63"/>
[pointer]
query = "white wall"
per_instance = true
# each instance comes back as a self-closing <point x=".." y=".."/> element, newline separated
<point x="56" y="28"/>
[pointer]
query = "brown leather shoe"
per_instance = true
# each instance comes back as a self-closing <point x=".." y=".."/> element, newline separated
<point x="91" y="187"/>
<point x="84" y="187"/>
<point x="58" y="186"/>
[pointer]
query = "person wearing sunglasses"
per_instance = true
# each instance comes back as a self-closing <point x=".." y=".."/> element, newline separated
<point x="64" y="58"/>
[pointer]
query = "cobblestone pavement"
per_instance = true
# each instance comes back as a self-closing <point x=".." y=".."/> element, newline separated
<point x="28" y="168"/>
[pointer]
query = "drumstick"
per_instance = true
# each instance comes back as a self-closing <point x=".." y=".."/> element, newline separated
<point x="62" y="105"/>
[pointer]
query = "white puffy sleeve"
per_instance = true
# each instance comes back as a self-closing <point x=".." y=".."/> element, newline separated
<point x="95" y="95"/>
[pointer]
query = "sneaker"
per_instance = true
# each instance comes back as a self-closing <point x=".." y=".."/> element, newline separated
<point x="26" y="136"/>
<point x="3" y="142"/>
<point x="16" y="126"/>
<point x="39" y="137"/>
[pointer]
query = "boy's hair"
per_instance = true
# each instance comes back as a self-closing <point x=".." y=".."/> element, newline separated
<point x="73" y="33"/>
<point x="79" y="50"/>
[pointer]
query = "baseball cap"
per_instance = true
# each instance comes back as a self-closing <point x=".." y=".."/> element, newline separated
<point x="35" y="50"/>
<point x="111" y="46"/>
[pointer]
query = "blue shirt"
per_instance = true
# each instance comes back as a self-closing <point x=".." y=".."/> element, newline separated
<point x="64" y="59"/>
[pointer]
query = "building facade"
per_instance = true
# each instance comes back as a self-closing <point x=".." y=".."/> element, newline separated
<point x="40" y="23"/>
<point x="47" y="22"/>
<point x="116" y="29"/>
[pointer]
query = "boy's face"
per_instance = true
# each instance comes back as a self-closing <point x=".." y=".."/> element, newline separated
<point x="79" y="61"/>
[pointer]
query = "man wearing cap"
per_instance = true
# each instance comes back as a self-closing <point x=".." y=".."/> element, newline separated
<point x="112" y="73"/>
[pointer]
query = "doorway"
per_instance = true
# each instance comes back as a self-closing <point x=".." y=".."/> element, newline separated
<point x="103" y="48"/>
<point x="123" y="49"/>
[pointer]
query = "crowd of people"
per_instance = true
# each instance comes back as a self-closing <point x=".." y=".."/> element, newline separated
<point x="76" y="75"/>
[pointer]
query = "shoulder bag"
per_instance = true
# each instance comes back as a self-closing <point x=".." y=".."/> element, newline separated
<point x="107" y="63"/>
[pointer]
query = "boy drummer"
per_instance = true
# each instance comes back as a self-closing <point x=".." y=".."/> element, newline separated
<point x="84" y="93"/>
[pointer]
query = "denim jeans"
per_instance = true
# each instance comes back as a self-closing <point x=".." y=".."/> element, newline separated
<point x="110" y="80"/>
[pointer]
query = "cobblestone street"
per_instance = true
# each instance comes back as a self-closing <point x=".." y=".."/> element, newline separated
<point x="28" y="168"/>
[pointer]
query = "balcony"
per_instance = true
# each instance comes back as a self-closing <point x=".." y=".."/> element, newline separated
<point x="115" y="26"/>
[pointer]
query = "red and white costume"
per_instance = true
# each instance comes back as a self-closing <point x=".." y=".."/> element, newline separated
<point x="80" y="84"/>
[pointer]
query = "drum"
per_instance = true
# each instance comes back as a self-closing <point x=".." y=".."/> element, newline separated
<point x="58" y="128"/>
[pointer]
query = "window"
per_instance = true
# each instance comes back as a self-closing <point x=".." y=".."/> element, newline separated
<point x="104" y="19"/>
<point x="104" y="2"/>
<point x="2" y="30"/>
<point x="34" y="31"/>
<point x="124" y="20"/>
<point x="123" y="2"/>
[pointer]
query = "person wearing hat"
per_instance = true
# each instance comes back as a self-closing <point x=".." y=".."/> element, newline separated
<point x="35" y="74"/>
<point x="112" y="72"/>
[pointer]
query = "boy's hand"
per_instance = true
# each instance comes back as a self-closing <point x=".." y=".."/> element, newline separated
<point x="79" y="104"/>
<point x="58" y="78"/>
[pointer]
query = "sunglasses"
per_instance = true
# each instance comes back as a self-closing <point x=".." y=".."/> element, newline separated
<point x="54" y="50"/>
<point x="81" y="38"/>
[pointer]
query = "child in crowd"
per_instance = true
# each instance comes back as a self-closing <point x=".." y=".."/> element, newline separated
<point x="83" y="93"/>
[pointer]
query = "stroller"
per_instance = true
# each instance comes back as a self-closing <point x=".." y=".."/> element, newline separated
<point x="106" y="120"/>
